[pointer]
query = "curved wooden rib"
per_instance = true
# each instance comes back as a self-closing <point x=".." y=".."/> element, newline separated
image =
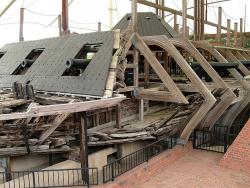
<point x="228" y="96"/>
<point x="165" y="43"/>
<point x="246" y="100"/>
<point x="231" y="57"/>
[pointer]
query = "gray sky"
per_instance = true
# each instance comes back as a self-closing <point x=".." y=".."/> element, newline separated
<point x="85" y="14"/>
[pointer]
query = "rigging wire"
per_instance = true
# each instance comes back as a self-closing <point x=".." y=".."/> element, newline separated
<point x="40" y="14"/>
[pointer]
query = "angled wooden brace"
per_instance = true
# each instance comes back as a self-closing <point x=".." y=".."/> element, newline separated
<point x="174" y="94"/>
<point x="209" y="100"/>
<point x="231" y="57"/>
<point x="245" y="55"/>
<point x="245" y="101"/>
<point x="228" y="96"/>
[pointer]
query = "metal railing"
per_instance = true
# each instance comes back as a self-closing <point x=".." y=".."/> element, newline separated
<point x="218" y="139"/>
<point x="49" y="178"/>
<point x="126" y="163"/>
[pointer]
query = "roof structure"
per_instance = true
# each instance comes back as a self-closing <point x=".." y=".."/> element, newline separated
<point x="149" y="24"/>
<point x="46" y="73"/>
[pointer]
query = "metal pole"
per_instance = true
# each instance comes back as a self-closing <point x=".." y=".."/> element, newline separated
<point x="65" y="20"/>
<point x="21" y="38"/>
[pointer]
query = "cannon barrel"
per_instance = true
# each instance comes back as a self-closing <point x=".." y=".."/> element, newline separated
<point x="217" y="65"/>
<point x="77" y="63"/>
<point x="246" y="63"/>
<point x="27" y="63"/>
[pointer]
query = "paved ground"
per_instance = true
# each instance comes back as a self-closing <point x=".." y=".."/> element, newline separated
<point x="199" y="169"/>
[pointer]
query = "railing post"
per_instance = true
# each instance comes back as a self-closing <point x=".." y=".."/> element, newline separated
<point x="225" y="142"/>
<point x="194" y="139"/>
<point x="34" y="180"/>
<point x="112" y="172"/>
<point x="171" y="142"/>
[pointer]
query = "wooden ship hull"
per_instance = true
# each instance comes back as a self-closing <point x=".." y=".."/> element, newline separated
<point x="125" y="87"/>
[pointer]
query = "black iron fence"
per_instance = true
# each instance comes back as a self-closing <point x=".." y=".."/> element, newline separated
<point x="49" y="178"/>
<point x="126" y="163"/>
<point x="218" y="139"/>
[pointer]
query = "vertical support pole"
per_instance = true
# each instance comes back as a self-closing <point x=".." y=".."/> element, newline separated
<point x="241" y="32"/>
<point x="65" y="19"/>
<point x="99" y="26"/>
<point x="111" y="14"/>
<point x="163" y="12"/>
<point x="228" y="32"/>
<point x="59" y="18"/>
<point x="134" y="15"/>
<point x="84" y="146"/>
<point x="236" y="34"/>
<point x="175" y="22"/>
<point x="156" y="9"/>
<point x="141" y="109"/>
<point x="118" y="116"/>
<point x="8" y="174"/>
<point x="206" y="11"/>
<point x="146" y="72"/>
<point x="136" y="69"/>
<point x="218" y="36"/>
<point x="177" y="28"/>
<point x="198" y="20"/>
<point x="21" y="38"/>
<point x="184" y="18"/>
<point x="202" y="20"/>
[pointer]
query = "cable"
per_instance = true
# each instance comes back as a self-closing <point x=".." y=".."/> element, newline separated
<point x="117" y="13"/>
<point x="40" y="14"/>
<point x="81" y="23"/>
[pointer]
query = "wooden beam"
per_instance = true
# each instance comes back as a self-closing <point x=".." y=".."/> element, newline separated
<point x="184" y="18"/>
<point x="173" y="11"/>
<point x="141" y="109"/>
<point x="218" y="36"/>
<point x="241" y="32"/>
<point x="37" y="111"/>
<point x="134" y="15"/>
<point x="155" y="64"/>
<point x="59" y="18"/>
<point x="59" y="119"/>
<point x="83" y="146"/>
<point x="7" y="7"/>
<point x="228" y="42"/>
<point x="236" y="35"/>
<point x="175" y="23"/>
<point x="21" y="38"/>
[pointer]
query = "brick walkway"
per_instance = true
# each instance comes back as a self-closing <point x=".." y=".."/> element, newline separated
<point x="198" y="169"/>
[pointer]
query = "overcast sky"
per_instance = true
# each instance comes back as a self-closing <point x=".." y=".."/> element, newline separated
<point x="85" y="14"/>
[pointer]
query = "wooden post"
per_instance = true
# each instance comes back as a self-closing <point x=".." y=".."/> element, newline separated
<point x="156" y="9"/>
<point x="21" y="38"/>
<point x="241" y="32"/>
<point x="163" y="12"/>
<point x="228" y="32"/>
<point x="218" y="36"/>
<point x="184" y="18"/>
<point x="99" y="26"/>
<point x="177" y="28"/>
<point x="175" y="23"/>
<point x="83" y="146"/>
<point x="198" y="20"/>
<point x="134" y="15"/>
<point x="118" y="115"/>
<point x="59" y="18"/>
<point x="141" y="109"/>
<point x="202" y="23"/>
<point x="236" y="34"/>
<point x="206" y="11"/>
<point x="146" y="72"/>
<point x="136" y="69"/>
<point x="65" y="19"/>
